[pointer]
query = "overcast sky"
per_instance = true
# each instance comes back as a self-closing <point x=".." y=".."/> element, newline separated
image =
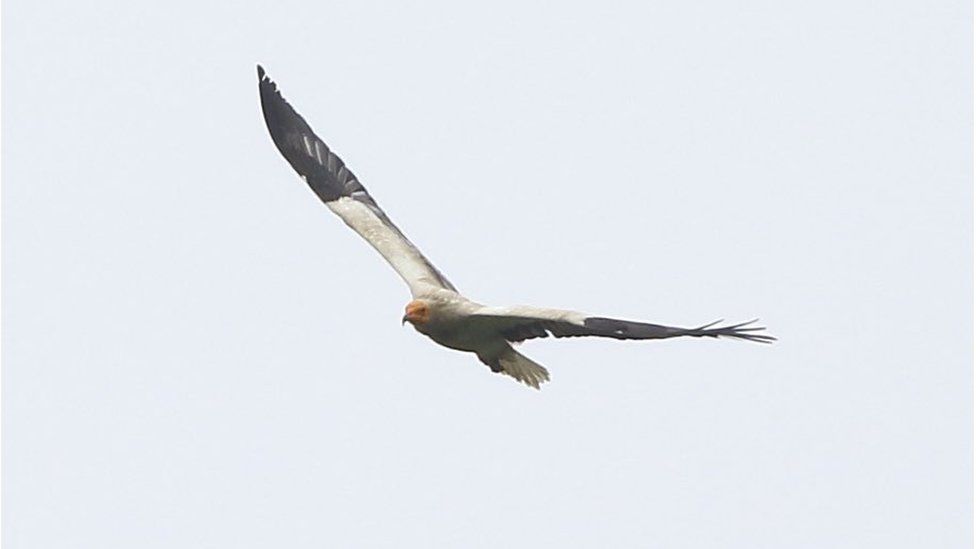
<point x="197" y="353"/>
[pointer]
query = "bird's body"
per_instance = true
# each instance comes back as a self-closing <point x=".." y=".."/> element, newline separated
<point x="438" y="310"/>
<point x="448" y="321"/>
<point x="458" y="323"/>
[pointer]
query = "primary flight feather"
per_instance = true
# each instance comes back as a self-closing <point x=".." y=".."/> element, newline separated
<point x="437" y="309"/>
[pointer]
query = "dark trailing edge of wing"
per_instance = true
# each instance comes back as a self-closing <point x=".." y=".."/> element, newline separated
<point x="625" y="329"/>
<point x="322" y="169"/>
<point x="324" y="172"/>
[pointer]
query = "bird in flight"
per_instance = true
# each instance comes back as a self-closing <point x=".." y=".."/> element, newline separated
<point x="437" y="309"/>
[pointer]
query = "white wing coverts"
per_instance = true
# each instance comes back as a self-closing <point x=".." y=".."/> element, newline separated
<point x="335" y="185"/>
<point x="437" y="310"/>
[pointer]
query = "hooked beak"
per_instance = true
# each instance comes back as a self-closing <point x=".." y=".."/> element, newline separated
<point x="404" y="320"/>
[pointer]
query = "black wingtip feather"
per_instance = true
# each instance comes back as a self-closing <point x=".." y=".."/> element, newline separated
<point x="323" y="171"/>
<point x="743" y="330"/>
<point x="710" y="324"/>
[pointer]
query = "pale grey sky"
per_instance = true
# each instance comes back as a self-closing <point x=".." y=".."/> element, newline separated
<point x="196" y="353"/>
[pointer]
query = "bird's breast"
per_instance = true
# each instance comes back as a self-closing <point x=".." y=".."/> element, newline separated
<point x="457" y="334"/>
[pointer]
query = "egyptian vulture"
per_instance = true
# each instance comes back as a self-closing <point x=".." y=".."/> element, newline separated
<point x="437" y="310"/>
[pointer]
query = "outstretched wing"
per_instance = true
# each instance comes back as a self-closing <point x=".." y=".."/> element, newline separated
<point x="329" y="178"/>
<point x="521" y="323"/>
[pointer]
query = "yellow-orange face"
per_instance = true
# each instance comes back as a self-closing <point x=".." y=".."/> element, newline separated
<point x="417" y="312"/>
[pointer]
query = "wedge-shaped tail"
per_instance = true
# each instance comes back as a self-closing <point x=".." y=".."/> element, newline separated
<point x="522" y="368"/>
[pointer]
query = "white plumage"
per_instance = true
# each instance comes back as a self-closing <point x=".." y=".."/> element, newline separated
<point x="438" y="310"/>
